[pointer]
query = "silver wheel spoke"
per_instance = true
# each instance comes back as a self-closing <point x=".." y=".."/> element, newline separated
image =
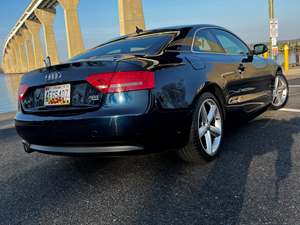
<point x="203" y="113"/>
<point x="208" y="141"/>
<point x="281" y="89"/>
<point x="216" y="131"/>
<point x="202" y="130"/>
<point x="276" y="100"/>
<point x="212" y="113"/>
<point x="216" y="142"/>
<point x="276" y="83"/>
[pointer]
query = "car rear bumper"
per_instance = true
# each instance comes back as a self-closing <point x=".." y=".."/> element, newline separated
<point x="80" y="150"/>
<point x="90" y="134"/>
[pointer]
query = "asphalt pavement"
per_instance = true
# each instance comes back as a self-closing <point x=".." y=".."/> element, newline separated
<point x="255" y="180"/>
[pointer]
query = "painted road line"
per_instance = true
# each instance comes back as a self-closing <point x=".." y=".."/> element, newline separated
<point x="7" y="125"/>
<point x="290" y="110"/>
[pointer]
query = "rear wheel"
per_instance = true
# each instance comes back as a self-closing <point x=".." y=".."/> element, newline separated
<point x="206" y="131"/>
<point x="280" y="92"/>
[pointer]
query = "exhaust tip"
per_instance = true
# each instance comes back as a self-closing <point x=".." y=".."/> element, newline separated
<point x="27" y="148"/>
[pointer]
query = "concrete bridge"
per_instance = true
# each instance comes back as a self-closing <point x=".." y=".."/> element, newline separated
<point x="22" y="51"/>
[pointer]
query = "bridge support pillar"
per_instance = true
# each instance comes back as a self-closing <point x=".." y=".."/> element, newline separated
<point x="34" y="28"/>
<point x="9" y="60"/>
<point x="9" y="65"/>
<point x="6" y="60"/>
<point x="13" y="58"/>
<point x="28" y="43"/>
<point x="16" y="48"/>
<point x="74" y="35"/>
<point x="131" y="16"/>
<point x="23" y="55"/>
<point x="4" y="64"/>
<point x="46" y="17"/>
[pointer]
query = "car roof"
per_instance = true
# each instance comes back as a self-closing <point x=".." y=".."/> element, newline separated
<point x="175" y="28"/>
<point x="162" y="30"/>
<point x="180" y="27"/>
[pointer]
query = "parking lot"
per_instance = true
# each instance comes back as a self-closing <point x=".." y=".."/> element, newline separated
<point x="255" y="180"/>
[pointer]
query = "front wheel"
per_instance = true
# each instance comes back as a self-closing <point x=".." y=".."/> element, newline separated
<point x="280" y="92"/>
<point x="206" y="131"/>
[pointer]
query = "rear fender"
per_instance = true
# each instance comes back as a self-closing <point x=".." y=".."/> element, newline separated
<point x="216" y="90"/>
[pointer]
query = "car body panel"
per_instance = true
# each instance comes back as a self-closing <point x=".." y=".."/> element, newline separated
<point x="150" y="119"/>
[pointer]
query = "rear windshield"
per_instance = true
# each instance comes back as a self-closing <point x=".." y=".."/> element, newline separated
<point x="142" y="45"/>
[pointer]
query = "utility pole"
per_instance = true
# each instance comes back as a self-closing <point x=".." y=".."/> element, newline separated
<point x="273" y="29"/>
<point x="271" y="16"/>
<point x="271" y="9"/>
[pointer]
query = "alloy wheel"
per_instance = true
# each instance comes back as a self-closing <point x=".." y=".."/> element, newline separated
<point x="210" y="126"/>
<point x="280" y="92"/>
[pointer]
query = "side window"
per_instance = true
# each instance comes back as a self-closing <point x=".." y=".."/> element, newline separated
<point x="231" y="43"/>
<point x="204" y="41"/>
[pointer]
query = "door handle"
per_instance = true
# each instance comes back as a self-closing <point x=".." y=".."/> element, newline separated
<point x="241" y="68"/>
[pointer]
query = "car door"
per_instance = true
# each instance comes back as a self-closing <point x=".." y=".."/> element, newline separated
<point x="252" y="90"/>
<point x="210" y="60"/>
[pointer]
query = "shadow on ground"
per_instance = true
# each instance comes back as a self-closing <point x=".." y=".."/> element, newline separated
<point x="155" y="189"/>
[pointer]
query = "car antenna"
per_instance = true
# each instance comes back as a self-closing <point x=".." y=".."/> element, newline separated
<point x="138" y="30"/>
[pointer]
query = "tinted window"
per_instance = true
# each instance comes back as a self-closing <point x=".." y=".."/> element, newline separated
<point x="146" y="44"/>
<point x="231" y="43"/>
<point x="204" y="41"/>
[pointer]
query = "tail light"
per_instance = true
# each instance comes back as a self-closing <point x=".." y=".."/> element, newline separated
<point x="122" y="81"/>
<point x="22" y="91"/>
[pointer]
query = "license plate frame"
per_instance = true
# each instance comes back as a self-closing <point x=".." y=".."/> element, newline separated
<point x="57" y="95"/>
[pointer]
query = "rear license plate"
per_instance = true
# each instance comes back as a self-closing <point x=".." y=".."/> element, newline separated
<point x="58" y="95"/>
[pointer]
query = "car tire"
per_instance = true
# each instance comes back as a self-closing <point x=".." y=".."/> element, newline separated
<point x="280" y="97"/>
<point x="197" y="150"/>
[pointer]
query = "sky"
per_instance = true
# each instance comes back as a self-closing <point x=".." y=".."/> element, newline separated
<point x="99" y="18"/>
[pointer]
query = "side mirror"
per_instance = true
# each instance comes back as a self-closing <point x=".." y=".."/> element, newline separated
<point x="260" y="49"/>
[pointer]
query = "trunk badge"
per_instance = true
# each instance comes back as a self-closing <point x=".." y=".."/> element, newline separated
<point x="55" y="75"/>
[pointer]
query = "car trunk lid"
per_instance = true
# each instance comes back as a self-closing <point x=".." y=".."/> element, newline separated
<point x="121" y="73"/>
<point x="69" y="76"/>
